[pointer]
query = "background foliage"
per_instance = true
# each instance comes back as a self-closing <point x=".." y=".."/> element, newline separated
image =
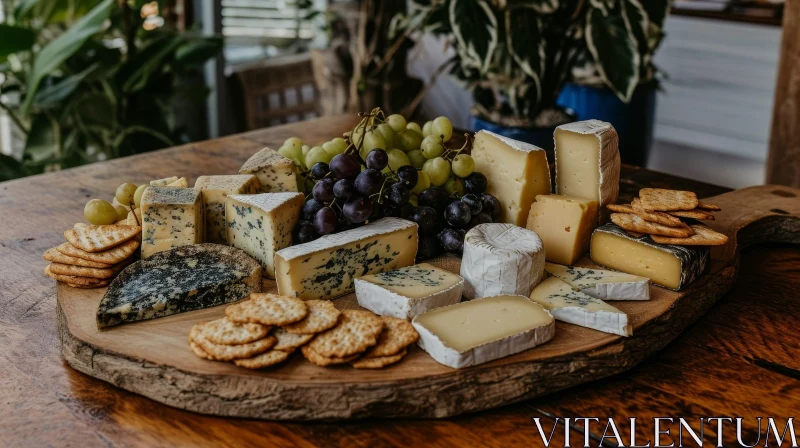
<point x="85" y="81"/>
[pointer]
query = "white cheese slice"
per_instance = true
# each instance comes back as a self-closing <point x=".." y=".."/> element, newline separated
<point x="501" y="259"/>
<point x="409" y="291"/>
<point x="482" y="330"/>
<point x="601" y="284"/>
<point x="568" y="305"/>
<point x="214" y="190"/>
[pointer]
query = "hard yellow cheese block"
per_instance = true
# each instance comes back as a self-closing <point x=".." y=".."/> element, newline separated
<point x="214" y="190"/>
<point x="517" y="172"/>
<point x="565" y="224"/>
<point x="171" y="217"/>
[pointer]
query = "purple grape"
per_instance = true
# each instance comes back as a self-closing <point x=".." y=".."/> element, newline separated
<point x="369" y="182"/>
<point x="377" y="159"/>
<point x="476" y="183"/>
<point x="408" y="176"/>
<point x="323" y="190"/>
<point x="325" y="221"/>
<point x="452" y="240"/>
<point x="457" y="214"/>
<point x="320" y="170"/>
<point x="492" y="206"/>
<point x="434" y="197"/>
<point x="357" y="210"/>
<point x="474" y="202"/>
<point x="429" y="247"/>
<point x="304" y="232"/>
<point x="406" y="210"/>
<point x="344" y="189"/>
<point x="399" y="194"/>
<point x="426" y="218"/>
<point x="310" y="209"/>
<point x="344" y="166"/>
<point x="480" y="218"/>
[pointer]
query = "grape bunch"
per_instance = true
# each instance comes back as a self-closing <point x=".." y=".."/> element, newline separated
<point x="101" y="212"/>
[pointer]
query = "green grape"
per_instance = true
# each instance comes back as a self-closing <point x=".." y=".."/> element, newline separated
<point x="463" y="165"/>
<point x="426" y="128"/>
<point x="293" y="142"/>
<point x="304" y="150"/>
<point x="315" y="155"/>
<point x="124" y="193"/>
<point x="137" y="196"/>
<point x="409" y="140"/>
<point x="423" y="183"/>
<point x="454" y="185"/>
<point x="443" y="128"/>
<point x="335" y="146"/>
<point x="386" y="131"/>
<point x="357" y="135"/>
<point x="372" y="140"/>
<point x="397" y="158"/>
<point x="432" y="147"/>
<point x="397" y="122"/>
<point x="414" y="127"/>
<point x="100" y="212"/>
<point x="417" y="158"/>
<point x="291" y="152"/>
<point x="438" y="170"/>
<point x="122" y="212"/>
<point x="414" y="200"/>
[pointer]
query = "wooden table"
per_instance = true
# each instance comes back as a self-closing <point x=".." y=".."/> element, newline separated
<point x="739" y="360"/>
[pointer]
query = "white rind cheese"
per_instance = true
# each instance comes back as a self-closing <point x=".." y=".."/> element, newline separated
<point x="262" y="224"/>
<point x="587" y="161"/>
<point x="214" y="190"/>
<point x="171" y="217"/>
<point x="275" y="172"/>
<point x="601" y="284"/>
<point x="482" y="330"/>
<point x="326" y="267"/>
<point x="409" y="291"/>
<point x="501" y="259"/>
<point x="574" y="307"/>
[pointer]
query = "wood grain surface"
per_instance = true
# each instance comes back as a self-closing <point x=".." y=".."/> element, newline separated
<point x="731" y="361"/>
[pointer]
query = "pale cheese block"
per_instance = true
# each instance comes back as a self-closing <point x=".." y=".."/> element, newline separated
<point x="565" y="225"/>
<point x="275" y="173"/>
<point x="501" y="259"/>
<point x="262" y="224"/>
<point x="409" y="291"/>
<point x="602" y="284"/>
<point x="482" y="330"/>
<point x="171" y="217"/>
<point x="574" y="307"/>
<point x="516" y="172"/>
<point x="587" y="161"/>
<point x="180" y="183"/>
<point x="214" y="190"/>
<point x="326" y="267"/>
<point x="667" y="265"/>
<point x="163" y="182"/>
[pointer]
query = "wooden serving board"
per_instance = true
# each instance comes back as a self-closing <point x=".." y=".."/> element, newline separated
<point x="152" y="358"/>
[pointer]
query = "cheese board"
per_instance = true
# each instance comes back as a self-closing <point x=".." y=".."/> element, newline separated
<point x="152" y="358"/>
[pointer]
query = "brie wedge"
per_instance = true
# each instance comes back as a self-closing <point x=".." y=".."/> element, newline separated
<point x="601" y="284"/>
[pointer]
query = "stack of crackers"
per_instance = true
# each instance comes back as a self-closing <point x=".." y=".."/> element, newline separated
<point x="265" y="329"/>
<point x="92" y="255"/>
<point x="669" y="217"/>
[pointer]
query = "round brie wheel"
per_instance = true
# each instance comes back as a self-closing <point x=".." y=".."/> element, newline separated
<point x="501" y="259"/>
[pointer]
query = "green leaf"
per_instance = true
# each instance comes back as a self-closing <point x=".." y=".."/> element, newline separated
<point x="51" y="95"/>
<point x="23" y="8"/>
<point x="136" y="72"/>
<point x="195" y="53"/>
<point x="475" y="28"/>
<point x="614" y="51"/>
<point x="10" y="168"/>
<point x="59" y="49"/>
<point x="14" y="39"/>
<point x="526" y="44"/>
<point x="636" y="23"/>
<point x="540" y="6"/>
<point x="656" y="11"/>
<point x="42" y="143"/>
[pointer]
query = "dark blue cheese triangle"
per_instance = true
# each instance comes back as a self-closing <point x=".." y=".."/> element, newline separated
<point x="179" y="280"/>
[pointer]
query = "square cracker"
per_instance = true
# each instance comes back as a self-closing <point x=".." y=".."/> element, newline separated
<point x="634" y="223"/>
<point x="54" y="256"/>
<point x="657" y="217"/>
<point x="76" y="282"/>
<point x="703" y="236"/>
<point x="81" y="271"/>
<point x="659" y="199"/>
<point x="111" y="256"/>
<point x="100" y="238"/>
<point x="697" y="213"/>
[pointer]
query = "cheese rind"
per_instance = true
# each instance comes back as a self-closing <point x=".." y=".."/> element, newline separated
<point x="516" y="173"/>
<point x="262" y="224"/>
<point x="565" y="224"/>
<point x="501" y="259"/>
<point x="409" y="291"/>
<point x="171" y="217"/>
<point x="275" y="173"/>
<point x="587" y="161"/>
<point x="601" y="284"/>
<point x="574" y="307"/>
<point x="214" y="190"/>
<point x="667" y="265"/>
<point x="325" y="268"/>
<point x="482" y="330"/>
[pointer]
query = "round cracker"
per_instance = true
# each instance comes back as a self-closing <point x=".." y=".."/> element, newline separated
<point x="222" y="352"/>
<point x="226" y="332"/>
<point x="289" y="341"/>
<point x="268" y="309"/>
<point x="322" y="315"/>
<point x="378" y="362"/>
<point x="357" y="331"/>
<point x="396" y="336"/>
<point x="199" y="352"/>
<point x="266" y="359"/>
<point x="316" y="358"/>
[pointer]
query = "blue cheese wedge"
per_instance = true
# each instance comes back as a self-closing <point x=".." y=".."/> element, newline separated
<point x="326" y="267"/>
<point x="482" y="330"/>
<point x="408" y="291"/>
<point x="601" y="284"/>
<point x="262" y="224"/>
<point x="214" y="190"/>
<point x="275" y="172"/>
<point x="179" y="280"/>
<point x="171" y="217"/>
<point x="574" y="307"/>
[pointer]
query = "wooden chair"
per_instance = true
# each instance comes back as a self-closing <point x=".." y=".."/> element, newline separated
<point x="783" y="161"/>
<point x="278" y="91"/>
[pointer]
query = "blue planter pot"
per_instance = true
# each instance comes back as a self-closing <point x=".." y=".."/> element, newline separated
<point x="541" y="137"/>
<point x="633" y="121"/>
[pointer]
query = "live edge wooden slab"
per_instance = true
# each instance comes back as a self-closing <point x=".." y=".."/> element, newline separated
<point x="152" y="358"/>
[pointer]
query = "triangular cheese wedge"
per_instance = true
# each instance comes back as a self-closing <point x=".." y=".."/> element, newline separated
<point x="602" y="284"/>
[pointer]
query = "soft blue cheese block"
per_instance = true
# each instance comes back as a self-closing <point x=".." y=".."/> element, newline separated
<point x="171" y="217"/>
<point x="214" y="190"/>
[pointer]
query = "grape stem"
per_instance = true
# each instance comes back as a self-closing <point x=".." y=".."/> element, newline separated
<point x="134" y="215"/>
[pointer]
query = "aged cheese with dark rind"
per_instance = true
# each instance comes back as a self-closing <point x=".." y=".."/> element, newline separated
<point x="179" y="280"/>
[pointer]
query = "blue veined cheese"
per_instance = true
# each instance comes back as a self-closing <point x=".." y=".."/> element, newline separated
<point x="326" y="267"/>
<point x="275" y="173"/>
<point x="601" y="284"/>
<point x="262" y="224"/>
<point x="163" y="182"/>
<point x="171" y="217"/>
<point x="214" y="190"/>
<point x="408" y="291"/>
<point x="574" y="307"/>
